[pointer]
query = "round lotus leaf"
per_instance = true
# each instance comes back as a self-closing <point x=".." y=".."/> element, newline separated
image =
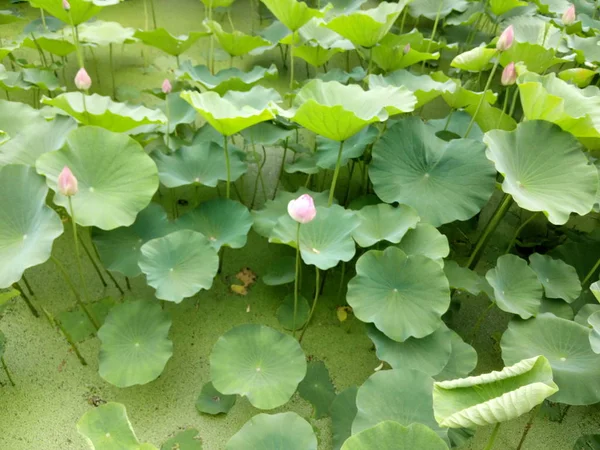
<point x="119" y="249"/>
<point x="285" y="312"/>
<point x="317" y="388"/>
<point x="165" y="41"/>
<point x="432" y="8"/>
<point x="594" y="322"/>
<point x="117" y="179"/>
<point x="235" y="111"/>
<point x="426" y="240"/>
<point x="585" y="312"/>
<point x="429" y="354"/>
<point x="559" y="279"/>
<point x="401" y="395"/>
<point x="235" y="43"/>
<point x="28" y="227"/>
<point x="211" y="401"/>
<point x="179" y="264"/>
<point x="231" y="79"/>
<point x="478" y="59"/>
<point x="390" y="435"/>
<point x="80" y="11"/>
<point x="462" y="361"/>
<point x="575" y="367"/>
<point x="78" y="325"/>
<point x="343" y="411"/>
<point x="184" y="440"/>
<point x="286" y="431"/>
<point x="257" y="362"/>
<point x="404" y="296"/>
<point x="134" y="346"/>
<point x="281" y="271"/>
<point x="104" y="33"/>
<point x="443" y="181"/>
<point x="292" y="13"/>
<point x="557" y="307"/>
<point x="384" y="223"/>
<point x="544" y="169"/>
<point x="493" y="397"/>
<point x="517" y="289"/>
<point x="462" y="278"/>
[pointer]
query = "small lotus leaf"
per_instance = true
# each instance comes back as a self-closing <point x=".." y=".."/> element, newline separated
<point x="231" y="79"/>
<point x="280" y="271"/>
<point x="390" y="435"/>
<point x="425" y="240"/>
<point x="462" y="278"/>
<point x="211" y="401"/>
<point x="478" y="59"/>
<point x="184" y="440"/>
<point x="285" y="312"/>
<point x="455" y="126"/>
<point x="317" y="388"/>
<point x="77" y="324"/>
<point x="499" y="7"/>
<point x="595" y="289"/>
<point x="559" y="279"/>
<point x="343" y="411"/>
<point x="165" y="41"/>
<point x="54" y="43"/>
<point x="463" y="360"/>
<point x="104" y="33"/>
<point x="384" y="223"/>
<point x="177" y="112"/>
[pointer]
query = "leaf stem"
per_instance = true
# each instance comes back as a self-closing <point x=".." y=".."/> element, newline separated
<point x="506" y="95"/>
<point x="27" y="285"/>
<point x="227" y="166"/>
<point x="76" y="41"/>
<point x="7" y="371"/>
<point x="71" y="343"/>
<point x="518" y="231"/>
<point x="314" y="305"/>
<point x="492" y="439"/>
<point x="285" y="149"/>
<point x="168" y="134"/>
<point x="591" y="272"/>
<point x="482" y="99"/>
<point x="296" y="279"/>
<point x="528" y="425"/>
<point x="435" y="26"/>
<point x="514" y="102"/>
<point x="335" y="174"/>
<point x="112" y="70"/>
<point x="26" y="299"/>
<point x="89" y="255"/>
<point x="292" y="60"/>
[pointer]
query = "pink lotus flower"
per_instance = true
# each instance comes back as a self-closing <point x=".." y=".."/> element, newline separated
<point x="509" y="75"/>
<point x="569" y="16"/>
<point x="66" y="5"/>
<point x="67" y="183"/>
<point x="506" y="39"/>
<point x="83" y="80"/>
<point x="302" y="209"/>
<point x="166" y="86"/>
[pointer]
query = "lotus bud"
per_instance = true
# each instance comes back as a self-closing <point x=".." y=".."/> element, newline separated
<point x="83" y="80"/>
<point x="166" y="86"/>
<point x="569" y="16"/>
<point x="506" y="39"/>
<point x="407" y="48"/>
<point x="67" y="183"/>
<point x="509" y="75"/>
<point x="302" y="209"/>
<point x="66" y="5"/>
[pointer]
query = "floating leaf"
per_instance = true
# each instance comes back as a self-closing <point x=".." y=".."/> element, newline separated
<point x="285" y="312"/>
<point x="280" y="271"/>
<point x="343" y="411"/>
<point x="384" y="223"/>
<point x="425" y="240"/>
<point x="77" y="324"/>
<point x="231" y="79"/>
<point x="211" y="401"/>
<point x="317" y="388"/>
<point x="184" y="440"/>
<point x="390" y="435"/>
<point x="165" y="41"/>
<point x="463" y="360"/>
<point x="559" y="279"/>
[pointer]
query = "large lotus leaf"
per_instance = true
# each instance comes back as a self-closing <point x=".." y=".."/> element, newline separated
<point x="404" y="296"/>
<point x="343" y="411"/>
<point x="429" y="354"/>
<point x="574" y="110"/>
<point x="232" y="79"/>
<point x="28" y="227"/>
<point x="443" y="181"/>
<point x="462" y="361"/>
<point x="327" y="151"/>
<point x="184" y="440"/>
<point x="499" y="7"/>
<point x="317" y="388"/>
<point x="104" y="112"/>
<point x="266" y="133"/>
<point x="390" y="54"/>
<point x="462" y="278"/>
<point x="325" y="241"/>
<point x="576" y="368"/>
<point x="426" y="240"/>
<point x="292" y="13"/>
<point x="367" y="27"/>
<point x="475" y="60"/>
<point x="165" y="41"/>
<point x="559" y="279"/>
<point x="587" y="48"/>
<point x="222" y="221"/>
<point x="30" y="133"/>
<point x="257" y="362"/>
<point x="404" y="396"/>
<point x="179" y="264"/>
<point x="105" y="33"/>
<point x="434" y="8"/>
<point x="235" y="43"/>
<point x="536" y="30"/>
<point x="338" y="112"/>
<point x="594" y="322"/>
<point x="544" y="169"/>
<point x="235" y="111"/>
<point x="315" y="34"/>
<point x="384" y="223"/>
<point x="81" y="10"/>
<point x="535" y="57"/>
<point x="116" y="177"/>
<point x="134" y="343"/>
<point x="119" y="249"/>
<point x="286" y="431"/>
<point x="493" y="397"/>
<point x="211" y="401"/>
<point x="390" y="435"/>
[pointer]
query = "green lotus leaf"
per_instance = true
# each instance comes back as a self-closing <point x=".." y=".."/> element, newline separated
<point x="429" y="354"/>
<point x="222" y="221"/>
<point x="423" y="86"/>
<point x="304" y="163"/>
<point x="30" y="133"/>
<point x="462" y="361"/>
<point x="317" y="388"/>
<point x="179" y="264"/>
<point x="29" y="227"/>
<point x="201" y="163"/>
<point x="260" y="363"/>
<point x="499" y="7"/>
<point x="384" y="223"/>
<point x="455" y="126"/>
<point x="536" y="30"/>
<point x="555" y="177"/>
<point x="274" y="432"/>
<point x="586" y="48"/>
<point x="390" y="435"/>
<point x="566" y="345"/>
<point x="107" y="427"/>
<point x="585" y="312"/>
<point x="285" y="312"/>
<point x="184" y="440"/>
<point x="594" y="322"/>
<point x="557" y="307"/>
<point x="211" y="401"/>
<point x="343" y="411"/>
<point x="104" y="112"/>
<point x="493" y="397"/>
<point x="54" y="43"/>
<point x="433" y="8"/>
<point x="404" y="296"/>
<point x="338" y="112"/>
<point x="235" y="110"/>
<point x="266" y="133"/>
<point x="461" y="97"/>
<point x="595" y="289"/>
<point x="77" y="324"/>
<point x="337" y="74"/>
<point x="574" y="110"/>
<point x="13" y="81"/>
<point x="7" y="17"/>
<point x="478" y="59"/>
<point x="235" y="43"/>
<point x="42" y="79"/>
<point x="81" y="10"/>
<point x="325" y="241"/>
<point x="232" y="79"/>
<point x="535" y="57"/>
<point x="280" y="271"/>
<point x="559" y="279"/>
<point x="119" y="249"/>
<point x="389" y="54"/>
<point x="315" y="55"/>
<point x="105" y="33"/>
<point x="443" y="181"/>
<point x="165" y="41"/>
<point x="177" y="112"/>
<point x="425" y="240"/>
<point x="292" y="13"/>
<point x="462" y="278"/>
<point x="579" y="77"/>
<point x="116" y="177"/>
<point x="367" y="27"/>
<point x="135" y="346"/>
<point x="328" y="150"/>
<point x="217" y="3"/>
<point x="401" y="395"/>
<point x="273" y="33"/>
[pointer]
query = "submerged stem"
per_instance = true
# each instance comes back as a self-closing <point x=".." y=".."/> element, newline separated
<point x="335" y="174"/>
<point x="314" y="305"/>
<point x="296" y="279"/>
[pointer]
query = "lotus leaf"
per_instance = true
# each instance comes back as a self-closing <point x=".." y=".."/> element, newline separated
<point x="535" y="57"/>
<point x="105" y="33"/>
<point x="292" y="13"/>
<point x="594" y="322"/>
<point x="478" y="59"/>
<point x="184" y="440"/>
<point x="390" y="435"/>
<point x="579" y="77"/>
<point x="462" y="278"/>
<point x="285" y="312"/>
<point x="54" y="43"/>
<point x="434" y="8"/>
<point x="211" y="401"/>
<point x="384" y="222"/>
<point x="463" y="359"/>
<point x="327" y="150"/>
<point x="81" y="10"/>
<point x="343" y="411"/>
<point x="280" y="271"/>
<point x="558" y="278"/>
<point x="77" y="324"/>
<point x="235" y="43"/>
<point x="390" y="54"/>
<point x="165" y="41"/>
<point x="499" y="7"/>
<point x="425" y="240"/>
<point x="317" y="388"/>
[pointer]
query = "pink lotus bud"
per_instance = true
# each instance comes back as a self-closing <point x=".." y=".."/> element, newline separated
<point x="67" y="183"/>
<point x="506" y="39"/>
<point x="569" y="16"/>
<point x="302" y="209"/>
<point x="509" y="75"/>
<point x="407" y="48"/>
<point x="83" y="80"/>
<point x="66" y="5"/>
<point x="166" y="86"/>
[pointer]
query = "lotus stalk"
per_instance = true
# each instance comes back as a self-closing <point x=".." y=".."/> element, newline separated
<point x="336" y="173"/>
<point x="492" y="439"/>
<point x="26" y="299"/>
<point x="71" y="343"/>
<point x="166" y="89"/>
<point x="8" y="375"/>
<point x="227" y="167"/>
<point x="314" y="305"/>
